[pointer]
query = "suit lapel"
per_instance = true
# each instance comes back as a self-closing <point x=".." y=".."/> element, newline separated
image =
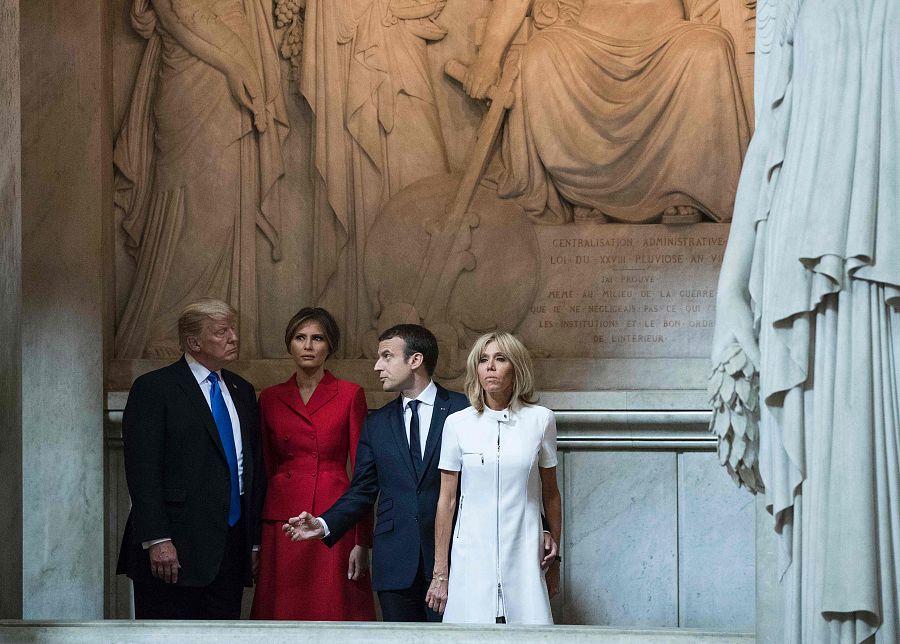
<point x="325" y="391"/>
<point x="438" y="416"/>
<point x="290" y="396"/>
<point x="192" y="390"/>
<point x="399" y="431"/>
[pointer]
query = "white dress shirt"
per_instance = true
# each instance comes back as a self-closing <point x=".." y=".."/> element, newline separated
<point x="426" y="410"/>
<point x="201" y="373"/>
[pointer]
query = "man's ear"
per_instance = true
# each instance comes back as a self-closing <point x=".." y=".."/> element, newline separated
<point x="193" y="342"/>
<point x="416" y="360"/>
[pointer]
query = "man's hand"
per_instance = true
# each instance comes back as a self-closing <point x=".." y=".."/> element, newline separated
<point x="303" y="527"/>
<point x="358" y="563"/>
<point x="164" y="561"/>
<point x="551" y="549"/>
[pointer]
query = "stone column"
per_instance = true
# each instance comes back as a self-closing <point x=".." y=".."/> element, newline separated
<point x="10" y="315"/>
<point x="66" y="196"/>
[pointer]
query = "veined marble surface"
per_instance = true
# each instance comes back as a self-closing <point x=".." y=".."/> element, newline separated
<point x="359" y="633"/>
<point x="66" y="191"/>
<point x="715" y="546"/>
<point x="621" y="539"/>
<point x="10" y="309"/>
<point x="656" y="538"/>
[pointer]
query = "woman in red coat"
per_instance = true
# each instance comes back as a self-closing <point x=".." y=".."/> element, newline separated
<point x="310" y="426"/>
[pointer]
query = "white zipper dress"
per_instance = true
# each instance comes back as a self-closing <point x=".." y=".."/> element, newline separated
<point x="497" y="540"/>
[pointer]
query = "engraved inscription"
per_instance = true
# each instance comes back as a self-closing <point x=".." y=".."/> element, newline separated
<point x="626" y="291"/>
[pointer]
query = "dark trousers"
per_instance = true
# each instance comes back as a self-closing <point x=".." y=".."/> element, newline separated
<point x="221" y="599"/>
<point x="408" y="605"/>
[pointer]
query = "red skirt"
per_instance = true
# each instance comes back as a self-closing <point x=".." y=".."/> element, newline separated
<point x="307" y="580"/>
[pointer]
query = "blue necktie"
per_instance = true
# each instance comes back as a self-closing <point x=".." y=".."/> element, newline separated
<point x="415" y="442"/>
<point x="226" y="434"/>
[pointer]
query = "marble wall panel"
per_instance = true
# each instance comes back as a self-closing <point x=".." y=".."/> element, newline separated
<point x="118" y="599"/>
<point x="66" y="170"/>
<point x="715" y="547"/>
<point x="10" y="314"/>
<point x="621" y="539"/>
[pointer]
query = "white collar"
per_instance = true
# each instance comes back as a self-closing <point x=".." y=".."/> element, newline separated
<point x="426" y="396"/>
<point x="501" y="416"/>
<point x="200" y="372"/>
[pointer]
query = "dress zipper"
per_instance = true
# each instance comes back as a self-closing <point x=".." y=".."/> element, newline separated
<point x="499" y="582"/>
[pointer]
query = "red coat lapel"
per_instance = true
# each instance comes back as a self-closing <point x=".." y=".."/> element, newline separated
<point x="289" y="394"/>
<point x="325" y="391"/>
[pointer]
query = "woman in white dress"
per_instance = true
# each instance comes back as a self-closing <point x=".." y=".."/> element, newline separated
<point x="501" y="452"/>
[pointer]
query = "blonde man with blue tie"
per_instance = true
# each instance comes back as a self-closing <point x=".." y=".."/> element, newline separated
<point x="193" y="465"/>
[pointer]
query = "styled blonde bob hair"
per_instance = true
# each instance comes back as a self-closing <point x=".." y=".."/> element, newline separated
<point x="195" y="314"/>
<point x="516" y="353"/>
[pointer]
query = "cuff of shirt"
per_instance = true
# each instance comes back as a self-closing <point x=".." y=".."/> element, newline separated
<point x="324" y="525"/>
<point x="146" y="544"/>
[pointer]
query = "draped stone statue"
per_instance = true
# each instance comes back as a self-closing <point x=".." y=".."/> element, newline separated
<point x="624" y="111"/>
<point x="807" y="343"/>
<point x="364" y="72"/>
<point x="198" y="165"/>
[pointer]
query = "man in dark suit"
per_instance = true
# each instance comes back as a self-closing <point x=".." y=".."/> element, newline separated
<point x="397" y="462"/>
<point x="193" y="465"/>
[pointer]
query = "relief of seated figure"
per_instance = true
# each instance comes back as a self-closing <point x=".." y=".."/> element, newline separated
<point x="625" y="110"/>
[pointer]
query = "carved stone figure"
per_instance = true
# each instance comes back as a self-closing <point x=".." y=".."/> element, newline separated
<point x="365" y="75"/>
<point x="624" y="110"/>
<point x="444" y="241"/>
<point x="809" y="297"/>
<point x="198" y="162"/>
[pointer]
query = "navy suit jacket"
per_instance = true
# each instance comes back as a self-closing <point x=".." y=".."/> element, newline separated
<point x="404" y="521"/>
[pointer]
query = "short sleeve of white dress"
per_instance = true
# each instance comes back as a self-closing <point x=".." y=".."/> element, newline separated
<point x="547" y="456"/>
<point x="451" y="453"/>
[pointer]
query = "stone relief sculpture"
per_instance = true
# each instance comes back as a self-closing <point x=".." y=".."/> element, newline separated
<point x="198" y="162"/>
<point x="624" y="111"/>
<point x="809" y="297"/>
<point x="445" y="238"/>
<point x="364" y="73"/>
<point x="602" y="127"/>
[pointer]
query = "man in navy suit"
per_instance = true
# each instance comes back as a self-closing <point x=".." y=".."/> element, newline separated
<point x="194" y="470"/>
<point x="397" y="463"/>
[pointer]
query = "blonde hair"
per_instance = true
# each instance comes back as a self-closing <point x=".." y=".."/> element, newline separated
<point x="523" y="371"/>
<point x="195" y="314"/>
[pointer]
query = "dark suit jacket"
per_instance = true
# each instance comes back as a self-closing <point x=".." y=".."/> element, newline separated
<point x="404" y="522"/>
<point x="178" y="477"/>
